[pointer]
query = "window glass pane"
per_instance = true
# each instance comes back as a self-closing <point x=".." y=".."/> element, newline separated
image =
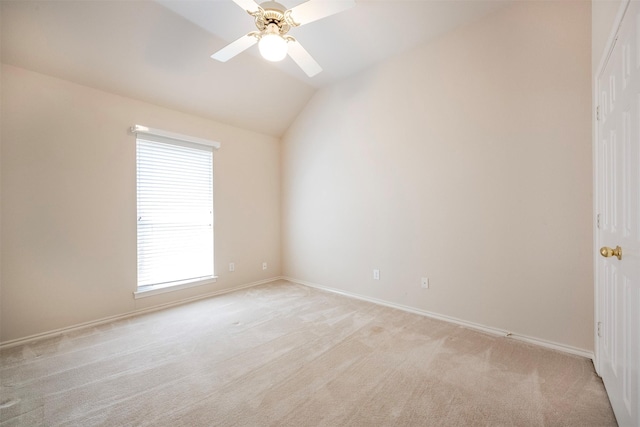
<point x="175" y="212"/>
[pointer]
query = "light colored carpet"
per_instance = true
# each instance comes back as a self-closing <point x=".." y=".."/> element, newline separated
<point x="286" y="355"/>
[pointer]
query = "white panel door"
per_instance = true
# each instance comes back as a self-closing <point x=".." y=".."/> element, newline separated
<point x="617" y="161"/>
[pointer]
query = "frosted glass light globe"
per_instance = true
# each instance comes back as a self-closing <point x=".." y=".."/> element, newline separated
<point x="273" y="47"/>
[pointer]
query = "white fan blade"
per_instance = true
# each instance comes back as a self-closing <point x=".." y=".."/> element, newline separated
<point x="231" y="50"/>
<point x="248" y="5"/>
<point x="318" y="9"/>
<point x="303" y="59"/>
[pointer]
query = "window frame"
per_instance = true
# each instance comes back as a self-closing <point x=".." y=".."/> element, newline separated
<point x="164" y="137"/>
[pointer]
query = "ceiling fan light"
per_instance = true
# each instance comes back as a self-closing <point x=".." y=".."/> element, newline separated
<point x="272" y="47"/>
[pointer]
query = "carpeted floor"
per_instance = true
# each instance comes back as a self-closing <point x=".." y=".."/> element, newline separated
<point x="286" y="355"/>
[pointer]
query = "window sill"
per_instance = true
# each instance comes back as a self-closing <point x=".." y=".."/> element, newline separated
<point x="151" y="290"/>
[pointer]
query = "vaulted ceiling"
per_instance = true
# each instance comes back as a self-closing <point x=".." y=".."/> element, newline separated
<point x="159" y="51"/>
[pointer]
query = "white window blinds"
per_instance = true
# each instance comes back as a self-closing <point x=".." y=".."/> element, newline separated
<point x="175" y="211"/>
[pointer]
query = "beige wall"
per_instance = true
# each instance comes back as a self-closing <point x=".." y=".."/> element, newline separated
<point x="69" y="203"/>
<point x="468" y="161"/>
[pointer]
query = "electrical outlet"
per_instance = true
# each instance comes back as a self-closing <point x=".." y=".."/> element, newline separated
<point x="232" y="266"/>
<point x="425" y="283"/>
<point x="376" y="274"/>
<point x="264" y="265"/>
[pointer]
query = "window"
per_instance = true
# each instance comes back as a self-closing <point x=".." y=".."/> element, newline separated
<point x="175" y="210"/>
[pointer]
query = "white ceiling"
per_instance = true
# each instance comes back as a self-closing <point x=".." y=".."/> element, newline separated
<point x="159" y="51"/>
<point x="348" y="42"/>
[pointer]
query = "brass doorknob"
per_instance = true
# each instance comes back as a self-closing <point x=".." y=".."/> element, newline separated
<point x="606" y="252"/>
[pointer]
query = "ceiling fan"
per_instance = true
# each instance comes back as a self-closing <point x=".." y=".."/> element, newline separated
<point x="273" y="22"/>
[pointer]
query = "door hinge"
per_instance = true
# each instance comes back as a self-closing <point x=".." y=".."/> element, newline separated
<point x="598" y="221"/>
<point x="598" y="112"/>
<point x="599" y="329"/>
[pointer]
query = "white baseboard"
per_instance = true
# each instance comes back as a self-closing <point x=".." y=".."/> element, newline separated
<point x="467" y="324"/>
<point x="471" y="325"/>
<point x="138" y="312"/>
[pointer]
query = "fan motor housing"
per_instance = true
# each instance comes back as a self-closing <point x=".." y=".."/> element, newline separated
<point x="272" y="12"/>
<point x="273" y="5"/>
